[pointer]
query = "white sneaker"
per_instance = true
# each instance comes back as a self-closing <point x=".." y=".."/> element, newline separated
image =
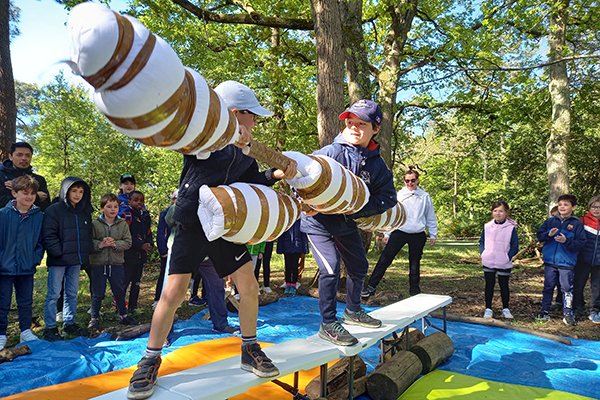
<point x="59" y="316"/>
<point x="506" y="314"/>
<point x="2" y="341"/>
<point x="298" y="284"/>
<point x="27" y="336"/>
<point x="268" y="289"/>
<point x="154" y="305"/>
<point x="488" y="313"/>
<point x="236" y="296"/>
<point x="283" y="285"/>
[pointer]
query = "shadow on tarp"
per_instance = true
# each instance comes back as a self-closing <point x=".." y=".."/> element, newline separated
<point x="485" y="352"/>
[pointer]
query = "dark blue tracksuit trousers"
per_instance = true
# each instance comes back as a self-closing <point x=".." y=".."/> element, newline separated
<point x="552" y="275"/>
<point x="327" y="251"/>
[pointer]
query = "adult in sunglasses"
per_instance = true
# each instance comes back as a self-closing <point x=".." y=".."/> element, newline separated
<point x="420" y="215"/>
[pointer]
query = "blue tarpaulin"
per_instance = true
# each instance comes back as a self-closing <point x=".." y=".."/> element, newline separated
<point x="485" y="352"/>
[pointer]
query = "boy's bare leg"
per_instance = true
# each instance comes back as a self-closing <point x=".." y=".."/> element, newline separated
<point x="171" y="297"/>
<point x="253" y="358"/>
<point x="247" y="286"/>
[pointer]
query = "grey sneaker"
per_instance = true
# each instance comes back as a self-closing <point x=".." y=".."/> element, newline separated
<point x="360" y="318"/>
<point x="141" y="385"/>
<point x="569" y="319"/>
<point x="335" y="333"/>
<point x="254" y="360"/>
<point x="27" y="336"/>
<point x="542" y="316"/>
<point x="367" y="292"/>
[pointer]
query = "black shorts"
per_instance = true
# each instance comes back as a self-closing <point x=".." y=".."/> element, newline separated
<point x="191" y="247"/>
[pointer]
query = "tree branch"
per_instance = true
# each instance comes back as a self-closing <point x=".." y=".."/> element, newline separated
<point x="253" y="18"/>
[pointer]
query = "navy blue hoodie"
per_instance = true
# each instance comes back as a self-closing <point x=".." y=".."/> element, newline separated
<point x="366" y="163"/>
<point x="562" y="254"/>
<point x="67" y="229"/>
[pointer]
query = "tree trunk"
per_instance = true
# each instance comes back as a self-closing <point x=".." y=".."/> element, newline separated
<point x="8" y="108"/>
<point x="402" y="14"/>
<point x="557" y="146"/>
<point x="455" y="195"/>
<point x="433" y="351"/>
<point x="330" y="68"/>
<point x="357" y="62"/>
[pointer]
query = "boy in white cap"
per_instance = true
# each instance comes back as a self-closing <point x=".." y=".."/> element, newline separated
<point x="223" y="167"/>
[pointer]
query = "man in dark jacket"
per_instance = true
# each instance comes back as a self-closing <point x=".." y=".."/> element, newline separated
<point x="19" y="164"/>
<point x="67" y="236"/>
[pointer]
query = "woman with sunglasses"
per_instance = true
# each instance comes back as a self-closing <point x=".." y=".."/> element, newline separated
<point x="419" y="215"/>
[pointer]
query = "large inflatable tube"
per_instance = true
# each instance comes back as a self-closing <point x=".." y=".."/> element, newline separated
<point x="142" y="87"/>
<point x="326" y="185"/>
<point x="246" y="213"/>
<point x="389" y="221"/>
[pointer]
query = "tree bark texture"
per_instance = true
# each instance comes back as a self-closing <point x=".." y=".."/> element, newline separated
<point x="337" y="377"/>
<point x="330" y="68"/>
<point x="402" y="14"/>
<point x="357" y="62"/>
<point x="8" y="107"/>
<point x="391" y="379"/>
<point x="557" y="146"/>
<point x="433" y="351"/>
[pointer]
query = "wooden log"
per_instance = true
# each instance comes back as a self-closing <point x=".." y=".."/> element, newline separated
<point x="500" y="324"/>
<point x="267" y="298"/>
<point x="10" y="354"/>
<point x="392" y="378"/>
<point x="134" y="331"/>
<point x="433" y="351"/>
<point x="337" y="377"/>
<point x="360" y="388"/>
<point x="394" y="345"/>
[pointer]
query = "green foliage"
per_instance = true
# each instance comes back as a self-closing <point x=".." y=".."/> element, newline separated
<point x="74" y="138"/>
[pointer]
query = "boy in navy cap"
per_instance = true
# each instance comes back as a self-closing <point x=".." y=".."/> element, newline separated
<point x="335" y="237"/>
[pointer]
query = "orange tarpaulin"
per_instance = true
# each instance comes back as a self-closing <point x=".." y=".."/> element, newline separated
<point x="181" y="359"/>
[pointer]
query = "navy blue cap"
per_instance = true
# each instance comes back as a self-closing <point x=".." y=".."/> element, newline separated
<point x="366" y="110"/>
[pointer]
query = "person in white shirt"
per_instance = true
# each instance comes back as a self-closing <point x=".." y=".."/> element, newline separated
<point x="419" y="216"/>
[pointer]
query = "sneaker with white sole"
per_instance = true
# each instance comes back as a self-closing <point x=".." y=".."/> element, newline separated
<point x="256" y="361"/>
<point x="3" y="340"/>
<point x="488" y="313"/>
<point x="506" y="314"/>
<point x="141" y="385"/>
<point x="59" y="316"/>
<point x="27" y="335"/>
<point x="569" y="319"/>
<point x="360" y="318"/>
<point x="268" y="289"/>
<point x="335" y="333"/>
<point x="595" y="318"/>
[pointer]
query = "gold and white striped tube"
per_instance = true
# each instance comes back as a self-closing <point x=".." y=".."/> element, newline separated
<point x="389" y="221"/>
<point x="327" y="186"/>
<point x="142" y="87"/>
<point x="246" y="213"/>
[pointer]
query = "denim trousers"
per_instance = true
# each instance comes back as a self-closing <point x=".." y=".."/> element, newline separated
<point x="55" y="280"/>
<point x="23" y="285"/>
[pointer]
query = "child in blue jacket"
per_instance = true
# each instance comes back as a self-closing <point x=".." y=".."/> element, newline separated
<point x="563" y="236"/>
<point x="136" y="256"/>
<point x="336" y="237"/>
<point x="21" y="251"/>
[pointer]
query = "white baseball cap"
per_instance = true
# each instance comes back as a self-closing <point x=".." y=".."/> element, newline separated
<point x="240" y="96"/>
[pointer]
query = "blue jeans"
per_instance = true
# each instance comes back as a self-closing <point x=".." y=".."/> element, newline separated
<point x="23" y="294"/>
<point x="215" y="294"/>
<point x="55" y="279"/>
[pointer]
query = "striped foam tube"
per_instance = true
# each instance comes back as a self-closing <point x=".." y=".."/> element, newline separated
<point x="142" y="87"/>
<point x="389" y="221"/>
<point x="246" y="213"/>
<point x="327" y="186"/>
